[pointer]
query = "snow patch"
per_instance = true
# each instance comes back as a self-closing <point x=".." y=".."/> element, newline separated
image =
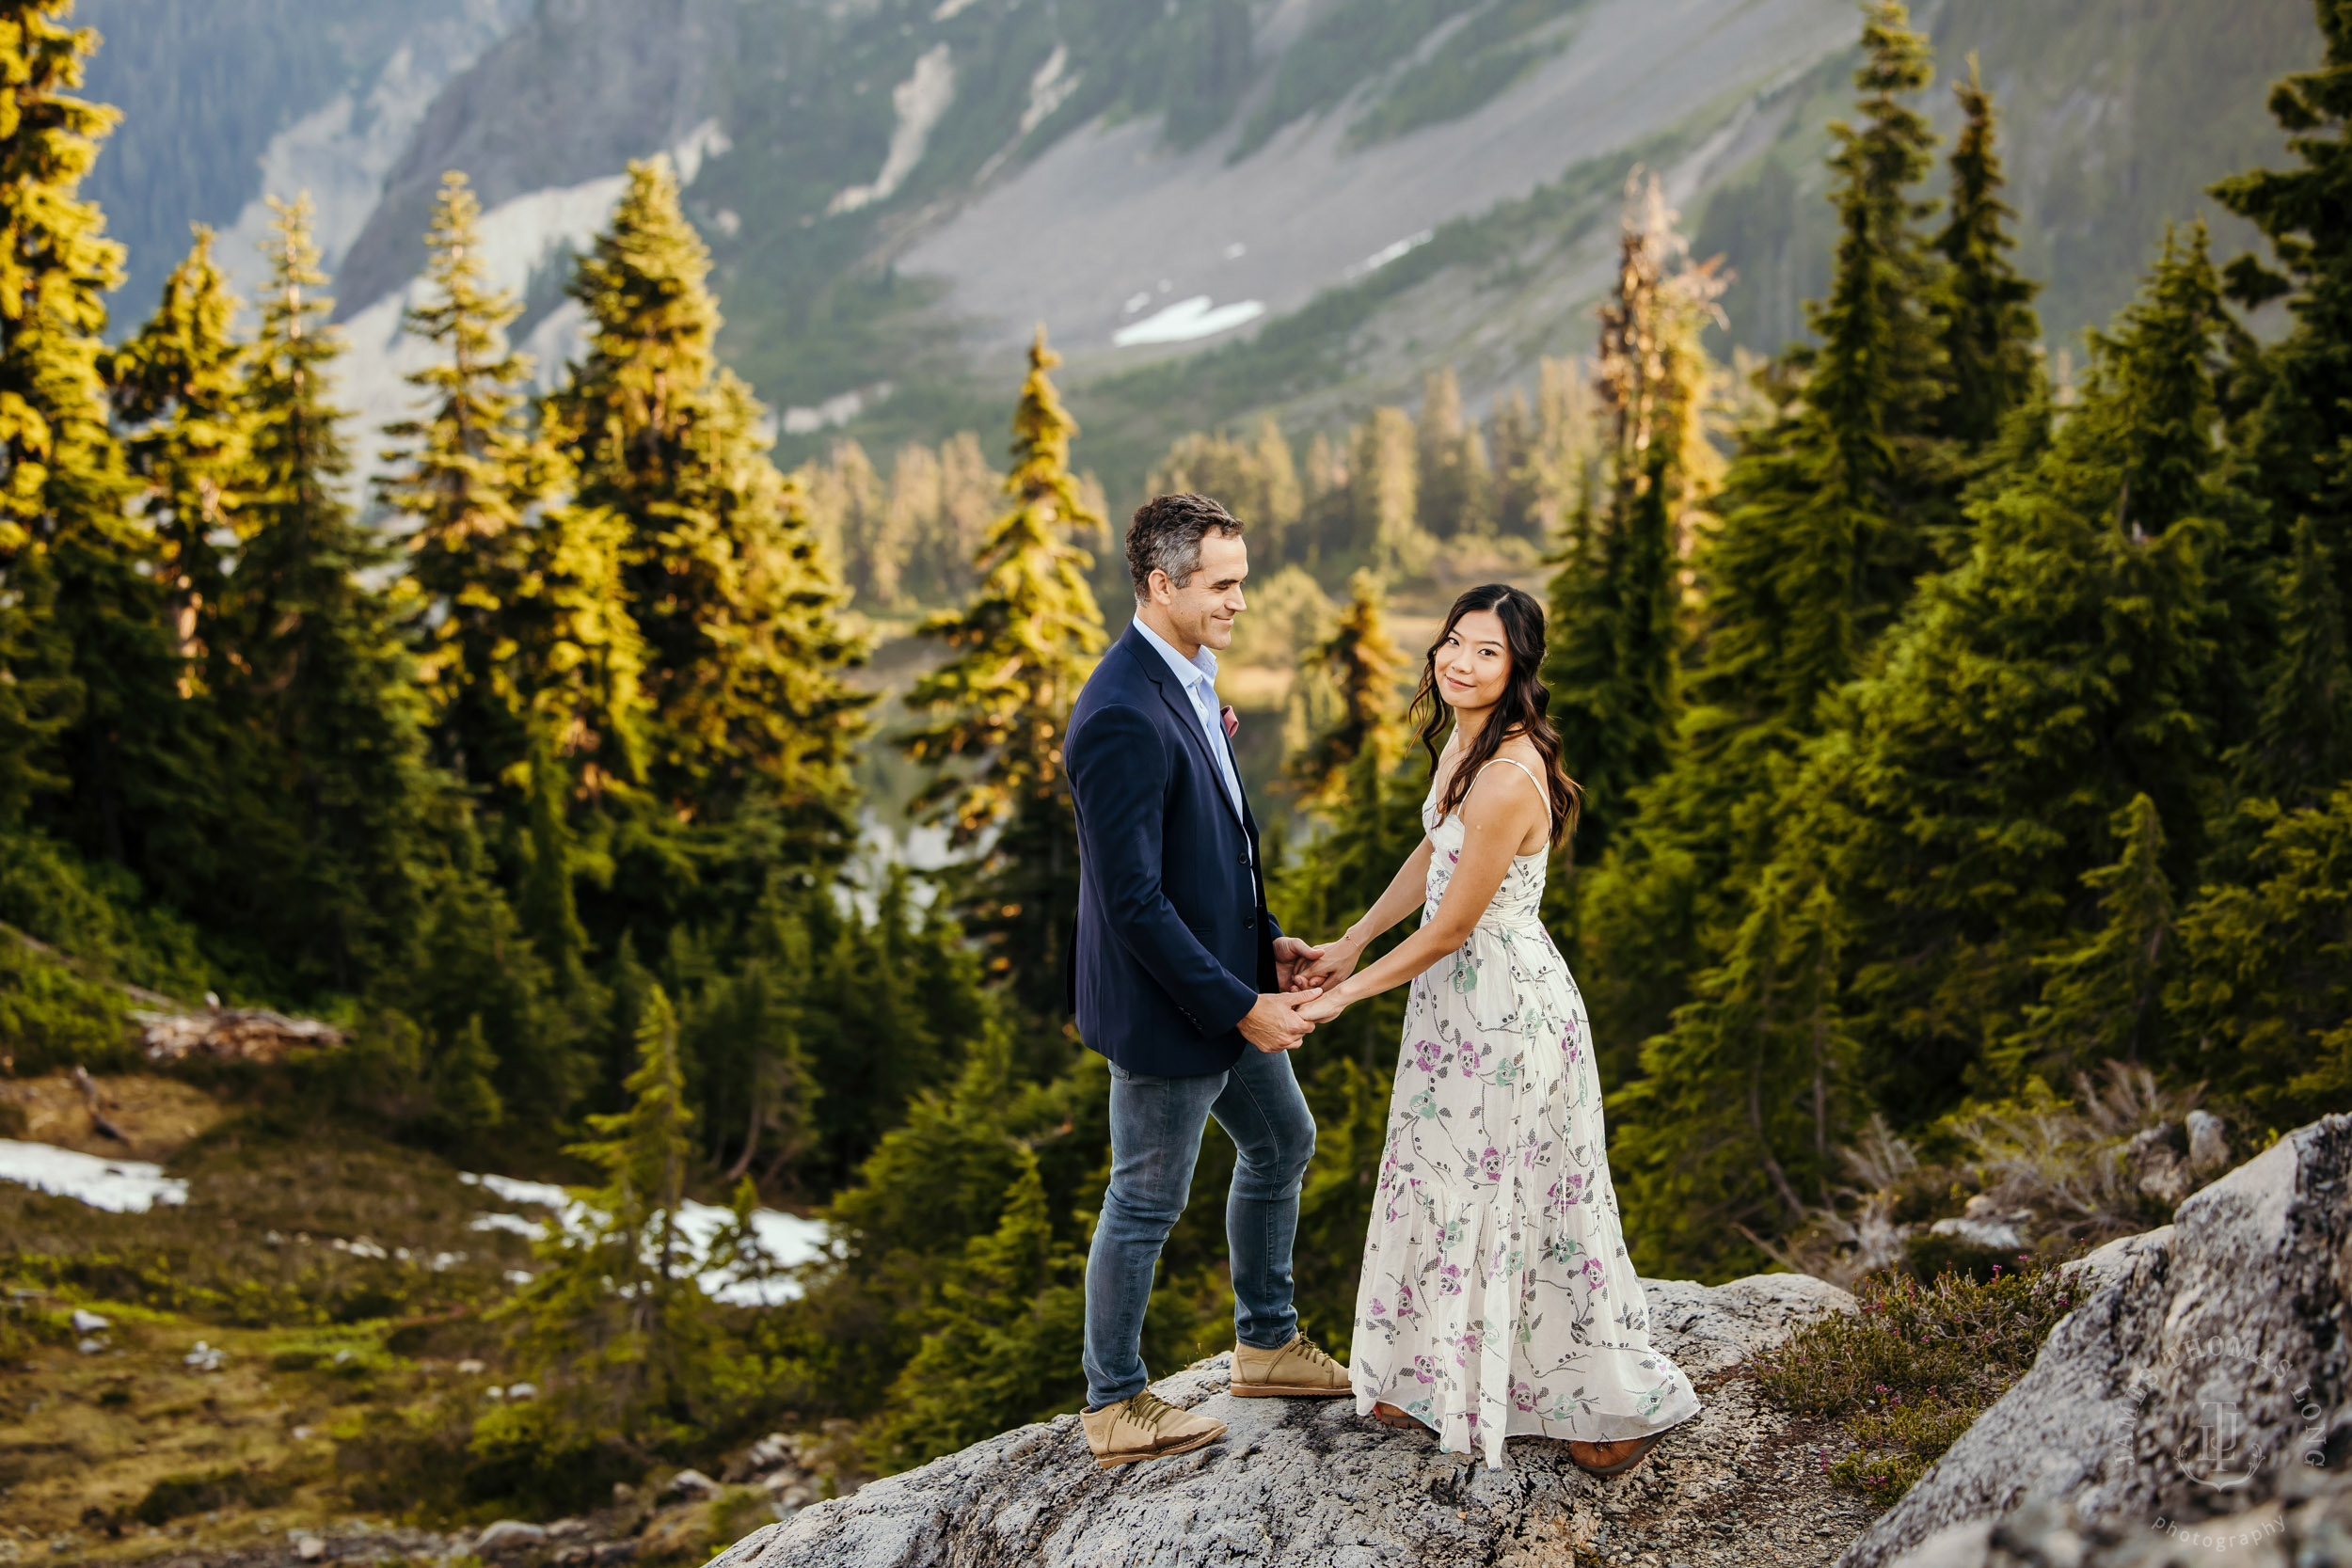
<point x="341" y="152"/>
<point x="1187" y="320"/>
<point x="119" y="1186"/>
<point x="835" y="411"/>
<point x="1049" y="89"/>
<point x="786" y="1239"/>
<point x="1387" y="253"/>
<point x="920" y="101"/>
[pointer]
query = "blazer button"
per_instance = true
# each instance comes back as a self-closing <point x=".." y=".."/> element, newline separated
<point x="1245" y="856"/>
<point x="1249" y="922"/>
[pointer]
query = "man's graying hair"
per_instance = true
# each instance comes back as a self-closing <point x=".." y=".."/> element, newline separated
<point x="1165" y="537"/>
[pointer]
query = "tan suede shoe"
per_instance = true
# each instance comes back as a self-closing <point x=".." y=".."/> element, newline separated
<point x="1145" y="1427"/>
<point x="1297" y="1370"/>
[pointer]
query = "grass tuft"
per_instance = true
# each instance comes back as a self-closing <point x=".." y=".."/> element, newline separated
<point x="1914" y="1368"/>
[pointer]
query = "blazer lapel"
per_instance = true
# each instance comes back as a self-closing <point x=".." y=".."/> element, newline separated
<point x="1188" y="718"/>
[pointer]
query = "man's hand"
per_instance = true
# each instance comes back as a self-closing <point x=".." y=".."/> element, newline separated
<point x="1274" y="1023"/>
<point x="1290" y="955"/>
<point x="1334" y="961"/>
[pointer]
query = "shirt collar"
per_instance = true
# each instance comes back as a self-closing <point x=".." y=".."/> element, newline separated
<point x="1199" y="670"/>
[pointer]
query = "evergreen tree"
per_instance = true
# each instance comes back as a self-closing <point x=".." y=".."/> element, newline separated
<point x="315" y="686"/>
<point x="1730" y="1127"/>
<point x="469" y="471"/>
<point x="1383" y="485"/>
<point x="89" y="708"/>
<point x="615" y="1320"/>
<point x="1616" y="610"/>
<point x="2260" y="1008"/>
<point x="1827" y="516"/>
<point x="2302" y="745"/>
<point x="181" y="383"/>
<point x="999" y="706"/>
<point x="2299" y="443"/>
<point x="1989" y="327"/>
<point x="1454" y="490"/>
<point x="2099" y="1002"/>
<point x="725" y="579"/>
<point x="1975" y="780"/>
<point x="1010" y="1311"/>
<point x="1363" y="665"/>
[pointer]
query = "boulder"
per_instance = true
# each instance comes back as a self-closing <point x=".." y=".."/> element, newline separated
<point x="508" y="1535"/>
<point x="1308" y="1483"/>
<point x="690" y="1485"/>
<point x="2193" y="1408"/>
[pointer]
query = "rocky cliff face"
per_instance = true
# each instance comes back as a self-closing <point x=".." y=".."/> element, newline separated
<point x="1310" y="1484"/>
<point x="2193" y="1410"/>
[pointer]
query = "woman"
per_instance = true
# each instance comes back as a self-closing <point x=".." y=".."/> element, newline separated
<point x="1496" y="1295"/>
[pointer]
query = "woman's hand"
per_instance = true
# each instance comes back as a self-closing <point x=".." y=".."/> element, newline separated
<point x="1324" y="1008"/>
<point x="1335" y="962"/>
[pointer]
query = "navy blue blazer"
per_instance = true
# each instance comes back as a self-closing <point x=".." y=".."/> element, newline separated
<point x="1172" y="943"/>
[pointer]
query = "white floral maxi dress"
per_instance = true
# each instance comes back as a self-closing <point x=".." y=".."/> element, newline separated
<point x="1497" y="1297"/>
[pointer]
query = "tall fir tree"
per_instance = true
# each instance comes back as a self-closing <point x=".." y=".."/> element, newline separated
<point x="467" y="472"/>
<point x="1947" y="828"/>
<point x="725" y="579"/>
<point x="317" y="692"/>
<point x="1361" y="663"/>
<point x="999" y="707"/>
<point x="2299" y="443"/>
<point x="616" y="1320"/>
<point x="1616" y="610"/>
<point x="1826" y="516"/>
<point x="89" y="711"/>
<point x="2302" y="744"/>
<point x="2099" y="998"/>
<point x="1989" y="328"/>
<point x="180" y="383"/>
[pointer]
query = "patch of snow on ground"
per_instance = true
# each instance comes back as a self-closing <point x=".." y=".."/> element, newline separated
<point x="1187" y="319"/>
<point x="920" y="101"/>
<point x="786" y="1239"/>
<point x="121" y="1186"/>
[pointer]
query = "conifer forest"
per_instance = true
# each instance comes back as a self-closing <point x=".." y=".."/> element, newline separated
<point x="1963" y="717"/>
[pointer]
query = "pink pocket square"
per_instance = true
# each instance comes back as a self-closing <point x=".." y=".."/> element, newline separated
<point x="1233" y="721"/>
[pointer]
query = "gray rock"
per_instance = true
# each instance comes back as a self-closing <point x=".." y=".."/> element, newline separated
<point x="1998" y="1234"/>
<point x="508" y="1535"/>
<point x="2208" y="1151"/>
<point x="692" y="1485"/>
<point x="2191" y="1410"/>
<point x="1306" y="1484"/>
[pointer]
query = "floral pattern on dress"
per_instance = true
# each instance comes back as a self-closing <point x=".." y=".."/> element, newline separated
<point x="1498" y="1298"/>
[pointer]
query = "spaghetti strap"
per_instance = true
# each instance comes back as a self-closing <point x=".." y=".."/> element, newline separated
<point x="1541" y="793"/>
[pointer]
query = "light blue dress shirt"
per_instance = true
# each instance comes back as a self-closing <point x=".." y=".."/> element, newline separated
<point x="1198" y="675"/>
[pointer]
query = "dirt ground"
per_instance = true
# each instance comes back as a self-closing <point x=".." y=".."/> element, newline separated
<point x="157" y="1116"/>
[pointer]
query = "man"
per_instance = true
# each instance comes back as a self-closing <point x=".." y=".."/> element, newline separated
<point x="1181" y="977"/>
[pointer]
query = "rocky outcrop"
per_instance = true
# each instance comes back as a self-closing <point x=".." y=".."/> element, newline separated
<point x="571" y="95"/>
<point x="2192" y="1410"/>
<point x="1309" y="1482"/>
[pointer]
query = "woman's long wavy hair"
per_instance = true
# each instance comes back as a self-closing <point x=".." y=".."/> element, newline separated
<point x="1520" y="711"/>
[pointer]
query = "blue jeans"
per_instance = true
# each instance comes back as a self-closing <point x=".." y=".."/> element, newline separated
<point x="1157" y="1125"/>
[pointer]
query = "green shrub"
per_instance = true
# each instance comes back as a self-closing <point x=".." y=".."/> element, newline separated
<point x="1909" y="1371"/>
<point x="53" y="1017"/>
<point x="204" y="1491"/>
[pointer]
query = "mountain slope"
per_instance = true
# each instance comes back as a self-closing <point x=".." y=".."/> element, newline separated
<point x="1208" y="201"/>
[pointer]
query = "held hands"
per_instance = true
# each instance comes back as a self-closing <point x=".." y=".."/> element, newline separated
<point x="1291" y="957"/>
<point x="1332" y="962"/>
<point x="1326" y="1007"/>
<point x="1275" y="1022"/>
